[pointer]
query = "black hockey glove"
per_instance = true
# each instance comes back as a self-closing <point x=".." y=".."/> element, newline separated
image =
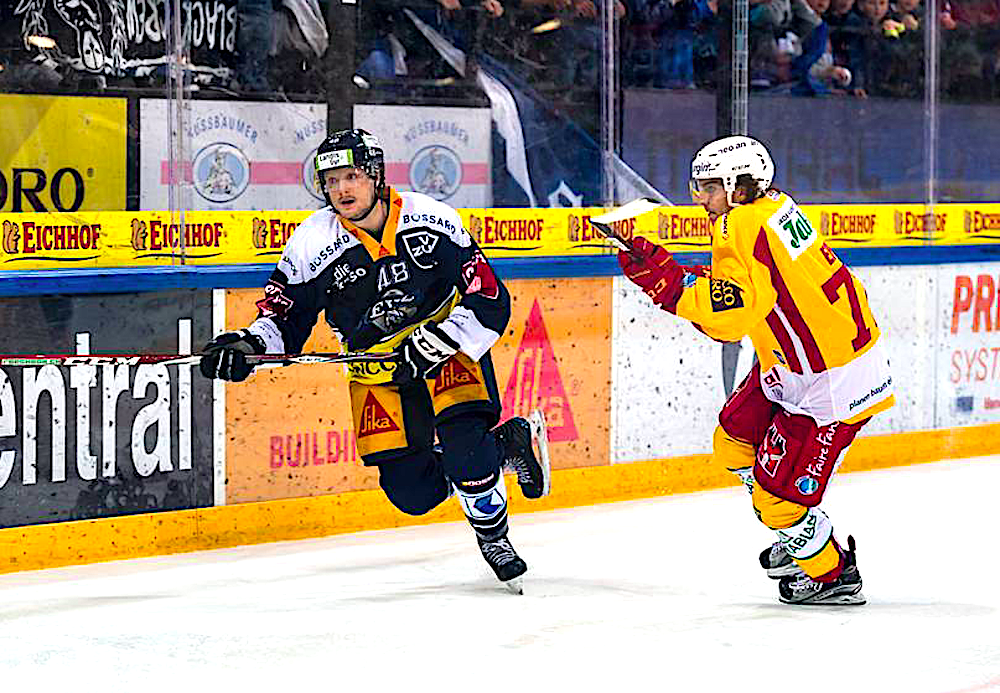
<point x="422" y="353"/>
<point x="225" y="356"/>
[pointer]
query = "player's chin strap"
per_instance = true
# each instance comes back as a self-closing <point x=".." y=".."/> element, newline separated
<point x="380" y="194"/>
<point x="361" y="217"/>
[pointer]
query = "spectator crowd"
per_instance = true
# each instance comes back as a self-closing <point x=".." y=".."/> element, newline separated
<point x="277" y="49"/>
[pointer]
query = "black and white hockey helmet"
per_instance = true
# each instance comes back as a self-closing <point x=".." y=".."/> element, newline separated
<point x="357" y="148"/>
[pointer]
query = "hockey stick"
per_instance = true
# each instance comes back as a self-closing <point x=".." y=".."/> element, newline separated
<point x="183" y="359"/>
<point x="633" y="209"/>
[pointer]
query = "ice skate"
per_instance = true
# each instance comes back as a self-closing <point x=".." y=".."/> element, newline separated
<point x="845" y="590"/>
<point x="503" y="559"/>
<point x="516" y="436"/>
<point x="778" y="564"/>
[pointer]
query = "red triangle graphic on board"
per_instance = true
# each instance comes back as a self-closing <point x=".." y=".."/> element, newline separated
<point x="535" y="381"/>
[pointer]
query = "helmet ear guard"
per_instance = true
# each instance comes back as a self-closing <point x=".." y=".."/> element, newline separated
<point x="729" y="159"/>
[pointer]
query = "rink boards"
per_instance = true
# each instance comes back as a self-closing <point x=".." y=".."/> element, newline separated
<point x="129" y="461"/>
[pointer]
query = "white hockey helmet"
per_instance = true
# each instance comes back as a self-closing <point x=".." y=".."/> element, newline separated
<point x="729" y="158"/>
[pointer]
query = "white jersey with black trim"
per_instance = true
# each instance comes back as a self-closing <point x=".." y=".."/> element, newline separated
<point x="376" y="291"/>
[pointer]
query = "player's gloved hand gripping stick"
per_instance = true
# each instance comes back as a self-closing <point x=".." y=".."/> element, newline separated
<point x="647" y="264"/>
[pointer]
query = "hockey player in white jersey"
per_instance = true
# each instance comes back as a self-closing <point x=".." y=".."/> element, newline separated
<point x="397" y="272"/>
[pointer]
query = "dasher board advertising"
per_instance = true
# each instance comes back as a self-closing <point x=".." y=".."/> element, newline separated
<point x="87" y="441"/>
<point x="237" y="155"/>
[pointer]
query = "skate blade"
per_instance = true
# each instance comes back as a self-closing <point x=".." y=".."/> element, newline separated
<point x="540" y="436"/>
<point x="856" y="599"/>
<point x="515" y="585"/>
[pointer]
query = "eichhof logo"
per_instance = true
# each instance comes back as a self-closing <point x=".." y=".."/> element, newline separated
<point x="221" y="172"/>
<point x="837" y="224"/>
<point x="476" y="228"/>
<point x="436" y="171"/>
<point x="258" y="233"/>
<point x="29" y="237"/>
<point x="490" y="230"/>
<point x="139" y="234"/>
<point x="579" y="229"/>
<point x="271" y="234"/>
<point x="977" y="222"/>
<point x="908" y="223"/>
<point x="674" y="227"/>
<point x="11" y="235"/>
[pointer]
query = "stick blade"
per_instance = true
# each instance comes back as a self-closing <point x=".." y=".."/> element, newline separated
<point x="632" y="209"/>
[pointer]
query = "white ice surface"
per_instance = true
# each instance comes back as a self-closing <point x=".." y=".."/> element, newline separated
<point x="662" y="595"/>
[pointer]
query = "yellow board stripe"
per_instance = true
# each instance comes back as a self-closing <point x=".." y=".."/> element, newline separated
<point x="134" y="536"/>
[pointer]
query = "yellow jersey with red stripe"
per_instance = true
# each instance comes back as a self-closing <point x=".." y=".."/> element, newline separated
<point x="774" y="279"/>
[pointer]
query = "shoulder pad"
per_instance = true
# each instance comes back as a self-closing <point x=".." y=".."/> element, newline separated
<point x="423" y="211"/>
<point x="319" y="240"/>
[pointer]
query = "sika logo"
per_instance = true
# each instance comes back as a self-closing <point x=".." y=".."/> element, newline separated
<point x="139" y="234"/>
<point x="11" y="235"/>
<point x="453" y="375"/>
<point x="978" y="222"/>
<point x="374" y="418"/>
<point x="271" y="234"/>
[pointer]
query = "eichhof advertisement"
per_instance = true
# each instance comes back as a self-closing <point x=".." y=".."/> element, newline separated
<point x="443" y="152"/>
<point x="45" y="240"/>
<point x="88" y="441"/>
<point x="240" y="155"/>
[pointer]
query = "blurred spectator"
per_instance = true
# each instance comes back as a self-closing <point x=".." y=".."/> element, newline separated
<point x="907" y="13"/>
<point x="814" y="71"/>
<point x="671" y="26"/>
<point x="881" y="37"/>
<point x="970" y="48"/>
<point x="300" y="40"/>
<point x="706" y="48"/>
<point x="555" y="47"/>
<point x="904" y="68"/>
<point x="18" y="72"/>
<point x="771" y="21"/>
<point x="847" y="41"/>
<point x="254" y="39"/>
<point x="390" y="46"/>
<point x="576" y="57"/>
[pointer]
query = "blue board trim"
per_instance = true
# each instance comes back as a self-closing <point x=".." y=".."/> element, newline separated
<point x="133" y="279"/>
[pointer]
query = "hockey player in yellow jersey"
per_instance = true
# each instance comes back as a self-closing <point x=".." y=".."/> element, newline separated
<point x="821" y="372"/>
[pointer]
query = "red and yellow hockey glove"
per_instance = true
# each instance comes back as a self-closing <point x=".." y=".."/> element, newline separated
<point x="655" y="271"/>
